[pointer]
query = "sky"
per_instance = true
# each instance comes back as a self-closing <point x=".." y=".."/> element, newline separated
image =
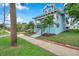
<point x="26" y="12"/>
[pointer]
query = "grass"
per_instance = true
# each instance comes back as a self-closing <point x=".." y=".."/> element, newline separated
<point x="23" y="48"/>
<point x="70" y="37"/>
<point x="2" y="32"/>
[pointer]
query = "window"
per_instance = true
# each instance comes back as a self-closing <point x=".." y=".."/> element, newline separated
<point x="38" y="26"/>
<point x="49" y="10"/>
<point x="57" y="25"/>
<point x="57" y="17"/>
<point x="45" y="11"/>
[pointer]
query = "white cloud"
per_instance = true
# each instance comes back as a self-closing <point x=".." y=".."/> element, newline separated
<point x="8" y="17"/>
<point x="20" y="7"/>
<point x="19" y="20"/>
<point x="1" y="22"/>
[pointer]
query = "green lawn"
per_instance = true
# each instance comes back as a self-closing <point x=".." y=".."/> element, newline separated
<point x="69" y="37"/>
<point x="23" y="48"/>
<point x="2" y="32"/>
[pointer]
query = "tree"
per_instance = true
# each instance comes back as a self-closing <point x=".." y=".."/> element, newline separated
<point x="49" y="21"/>
<point x="46" y="22"/>
<point x="19" y="27"/>
<point x="22" y="27"/>
<point x="13" y="24"/>
<point x="31" y="26"/>
<point x="43" y="25"/>
<point x="1" y="26"/>
<point x="73" y="10"/>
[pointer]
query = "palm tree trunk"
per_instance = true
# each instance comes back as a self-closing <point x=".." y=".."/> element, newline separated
<point x="13" y="24"/>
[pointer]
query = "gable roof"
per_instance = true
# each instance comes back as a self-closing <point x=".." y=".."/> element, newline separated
<point x="44" y="15"/>
<point x="50" y="13"/>
<point x="49" y="5"/>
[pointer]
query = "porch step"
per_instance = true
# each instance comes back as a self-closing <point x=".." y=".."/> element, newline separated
<point x="35" y="35"/>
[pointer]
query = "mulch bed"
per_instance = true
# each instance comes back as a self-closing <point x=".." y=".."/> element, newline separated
<point x="62" y="44"/>
<point x="48" y="35"/>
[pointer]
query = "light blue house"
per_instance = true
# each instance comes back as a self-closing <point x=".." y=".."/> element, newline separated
<point x="59" y="20"/>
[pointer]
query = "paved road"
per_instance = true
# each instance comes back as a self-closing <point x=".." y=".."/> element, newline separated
<point x="56" y="49"/>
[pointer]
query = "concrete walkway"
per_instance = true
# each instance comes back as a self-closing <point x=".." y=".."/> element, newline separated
<point x="56" y="49"/>
<point x="7" y="31"/>
<point x="35" y="35"/>
<point x="4" y="35"/>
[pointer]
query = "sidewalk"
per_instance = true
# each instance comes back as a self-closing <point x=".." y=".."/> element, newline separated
<point x="4" y="35"/>
<point x="56" y="49"/>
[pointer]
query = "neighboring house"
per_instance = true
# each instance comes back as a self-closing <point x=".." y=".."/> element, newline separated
<point x="59" y="18"/>
<point x="71" y="24"/>
<point x="75" y="26"/>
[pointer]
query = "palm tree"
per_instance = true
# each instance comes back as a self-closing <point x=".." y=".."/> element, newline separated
<point x="13" y="24"/>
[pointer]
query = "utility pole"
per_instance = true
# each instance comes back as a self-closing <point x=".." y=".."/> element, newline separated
<point x="4" y="17"/>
